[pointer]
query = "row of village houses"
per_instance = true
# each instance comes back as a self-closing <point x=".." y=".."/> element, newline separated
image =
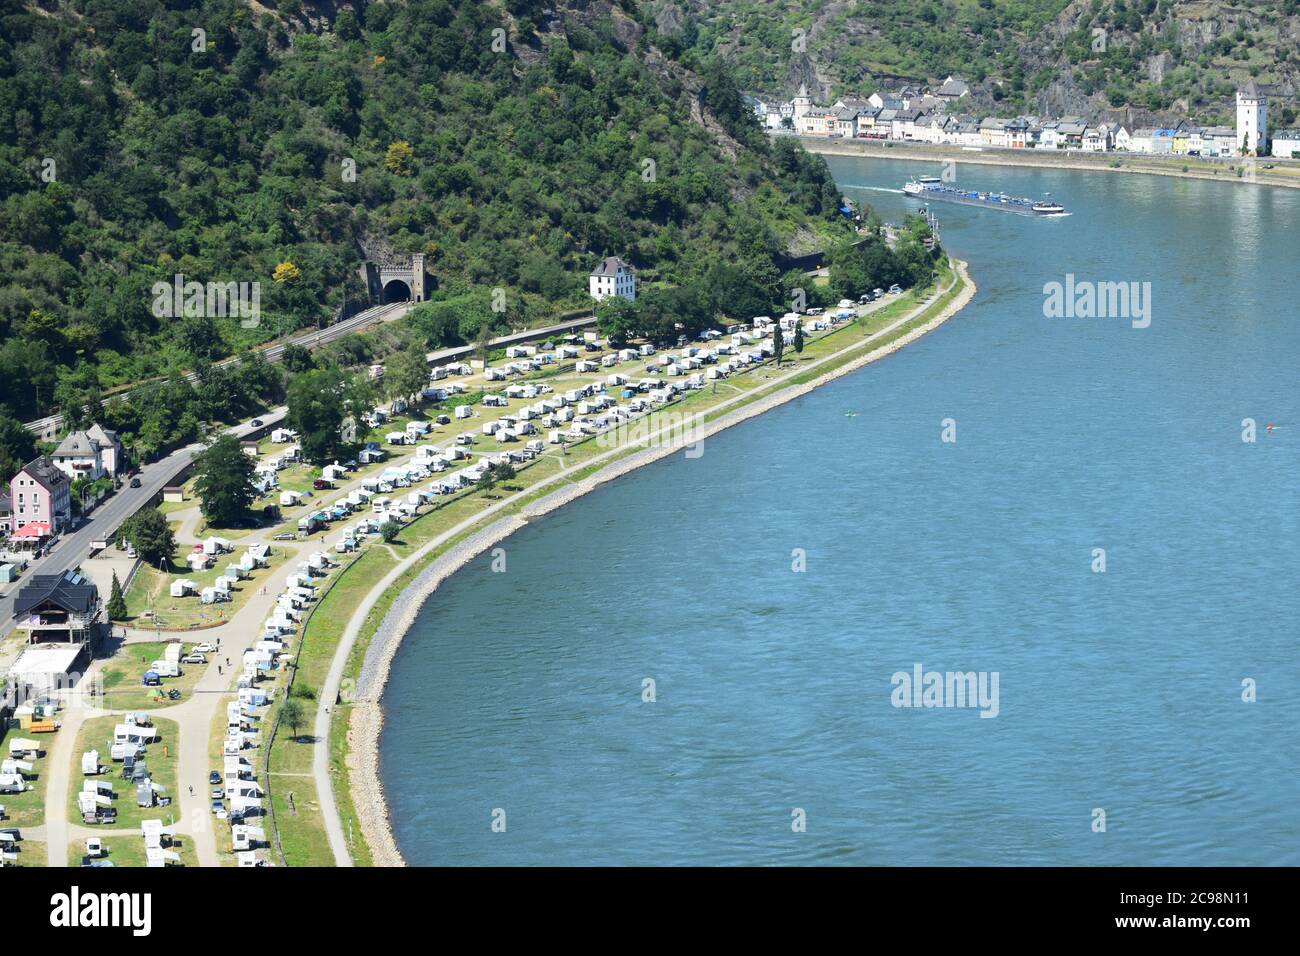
<point x="38" y="504"/>
<point x="912" y="116"/>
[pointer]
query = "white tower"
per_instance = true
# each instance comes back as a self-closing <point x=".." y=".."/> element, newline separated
<point x="1252" y="122"/>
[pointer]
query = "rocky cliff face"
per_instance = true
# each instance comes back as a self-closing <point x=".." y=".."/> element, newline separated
<point x="1091" y="57"/>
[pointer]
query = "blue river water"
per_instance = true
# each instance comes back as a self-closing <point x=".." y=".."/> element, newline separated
<point x="1118" y="691"/>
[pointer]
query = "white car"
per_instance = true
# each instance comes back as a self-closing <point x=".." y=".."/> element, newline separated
<point x="204" y="648"/>
<point x="194" y="659"/>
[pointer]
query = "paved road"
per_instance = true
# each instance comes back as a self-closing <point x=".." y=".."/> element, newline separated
<point x="48" y="428"/>
<point x="74" y="547"/>
<point x="528" y="335"/>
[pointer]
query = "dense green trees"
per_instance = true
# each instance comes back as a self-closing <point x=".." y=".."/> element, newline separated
<point x="269" y="146"/>
<point x="17" y="445"/>
<point x="855" y="269"/>
<point x="224" y="482"/>
<point x="325" y="409"/>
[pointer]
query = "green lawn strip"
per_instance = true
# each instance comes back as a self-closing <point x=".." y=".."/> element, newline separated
<point x="32" y="853"/>
<point x="160" y="756"/>
<point x="27" y="809"/>
<point x="298" y="819"/>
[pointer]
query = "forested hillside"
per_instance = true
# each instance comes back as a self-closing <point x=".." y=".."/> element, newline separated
<point x="1035" y="56"/>
<point x="272" y="142"/>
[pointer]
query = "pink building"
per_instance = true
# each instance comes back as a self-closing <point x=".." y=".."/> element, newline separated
<point x="39" y="495"/>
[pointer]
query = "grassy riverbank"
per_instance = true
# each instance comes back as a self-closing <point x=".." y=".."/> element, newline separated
<point x="302" y="829"/>
<point x="1281" y="173"/>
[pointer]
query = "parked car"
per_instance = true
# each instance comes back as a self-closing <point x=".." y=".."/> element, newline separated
<point x="443" y="420"/>
<point x="877" y="292"/>
<point x="256" y="423"/>
<point x="219" y="809"/>
<point x="284" y="536"/>
<point x="895" y="289"/>
<point x="216" y="793"/>
<point x="214" y="778"/>
<point x="194" y="659"/>
<point x="204" y="648"/>
<point x="135" y="482"/>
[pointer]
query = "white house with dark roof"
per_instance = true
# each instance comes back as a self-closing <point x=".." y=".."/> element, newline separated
<point x="613" y="277"/>
<point x="94" y="453"/>
<point x="1286" y="143"/>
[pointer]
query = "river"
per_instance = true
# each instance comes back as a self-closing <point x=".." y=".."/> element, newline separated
<point x="773" y="737"/>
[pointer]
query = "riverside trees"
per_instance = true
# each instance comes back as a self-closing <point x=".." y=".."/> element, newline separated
<point x="872" y="264"/>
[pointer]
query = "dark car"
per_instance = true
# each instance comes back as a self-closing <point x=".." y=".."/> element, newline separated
<point x="135" y="482"/>
<point x="443" y="420"/>
<point x="214" y="778"/>
<point x="256" y="423"/>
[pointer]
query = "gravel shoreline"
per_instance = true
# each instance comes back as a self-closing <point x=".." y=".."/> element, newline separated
<point x="367" y="715"/>
<point x="1042" y="159"/>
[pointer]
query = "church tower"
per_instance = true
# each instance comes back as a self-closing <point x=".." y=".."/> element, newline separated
<point x="802" y="103"/>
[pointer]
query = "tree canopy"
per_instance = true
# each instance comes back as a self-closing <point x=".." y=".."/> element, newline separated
<point x="224" y="482"/>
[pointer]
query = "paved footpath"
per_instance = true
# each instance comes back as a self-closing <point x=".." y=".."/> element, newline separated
<point x="334" y="679"/>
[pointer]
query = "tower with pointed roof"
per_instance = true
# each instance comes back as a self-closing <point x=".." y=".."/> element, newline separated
<point x="802" y="104"/>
